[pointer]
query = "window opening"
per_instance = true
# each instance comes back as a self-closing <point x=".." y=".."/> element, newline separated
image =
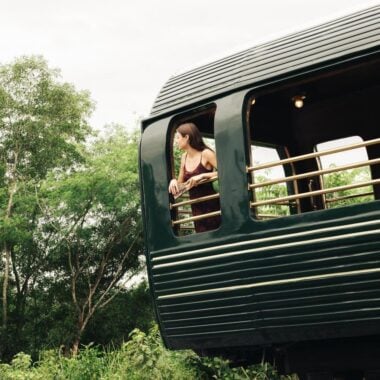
<point x="317" y="119"/>
<point x="195" y="207"/>
<point x="337" y="192"/>
<point x="269" y="184"/>
<point x="348" y="172"/>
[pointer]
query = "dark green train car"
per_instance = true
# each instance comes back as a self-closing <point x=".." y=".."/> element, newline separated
<point x="295" y="265"/>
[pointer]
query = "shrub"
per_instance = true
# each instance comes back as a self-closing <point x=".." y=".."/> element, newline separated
<point x="142" y="357"/>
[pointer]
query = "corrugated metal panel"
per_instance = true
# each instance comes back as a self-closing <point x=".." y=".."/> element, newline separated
<point x="335" y="40"/>
<point x="298" y="280"/>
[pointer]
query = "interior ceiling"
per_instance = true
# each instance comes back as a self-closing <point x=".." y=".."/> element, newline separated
<point x="329" y="107"/>
<point x="327" y="85"/>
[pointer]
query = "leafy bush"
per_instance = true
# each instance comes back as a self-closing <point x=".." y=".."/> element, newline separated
<point x="142" y="357"/>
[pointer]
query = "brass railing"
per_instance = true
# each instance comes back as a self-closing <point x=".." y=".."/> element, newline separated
<point x="313" y="155"/>
<point x="337" y="199"/>
<point x="195" y="200"/>
<point x="195" y="218"/>
<point x="315" y="173"/>
<point x="189" y="202"/>
<point x="316" y="192"/>
<point x="266" y="216"/>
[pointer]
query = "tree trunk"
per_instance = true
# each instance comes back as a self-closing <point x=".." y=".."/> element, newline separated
<point x="82" y="322"/>
<point x="75" y="346"/>
<point x="7" y="257"/>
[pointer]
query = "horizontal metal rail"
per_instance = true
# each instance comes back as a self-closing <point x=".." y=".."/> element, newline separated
<point x="195" y="218"/>
<point x="316" y="192"/>
<point x="184" y="212"/>
<point x="195" y="200"/>
<point x="337" y="199"/>
<point x="313" y="155"/>
<point x="284" y="203"/>
<point x="315" y="173"/>
<point x="200" y="182"/>
<point x="267" y="216"/>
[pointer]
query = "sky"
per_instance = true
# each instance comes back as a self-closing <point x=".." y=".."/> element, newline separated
<point x="123" y="51"/>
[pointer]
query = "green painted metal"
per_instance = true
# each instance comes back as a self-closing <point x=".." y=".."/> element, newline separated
<point x="306" y="276"/>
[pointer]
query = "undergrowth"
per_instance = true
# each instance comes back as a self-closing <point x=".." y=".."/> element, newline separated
<point x="142" y="357"/>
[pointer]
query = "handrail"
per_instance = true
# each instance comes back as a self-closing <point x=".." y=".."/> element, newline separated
<point x="314" y="173"/>
<point x="185" y="191"/>
<point x="195" y="200"/>
<point x="184" y="212"/>
<point x="195" y="218"/>
<point x="337" y="199"/>
<point x="316" y="192"/>
<point x="284" y="203"/>
<point x="269" y="216"/>
<point x="312" y="155"/>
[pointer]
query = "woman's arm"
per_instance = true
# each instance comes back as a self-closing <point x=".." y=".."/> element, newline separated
<point x="210" y="159"/>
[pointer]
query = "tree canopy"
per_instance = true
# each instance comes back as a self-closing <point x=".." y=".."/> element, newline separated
<point x="70" y="230"/>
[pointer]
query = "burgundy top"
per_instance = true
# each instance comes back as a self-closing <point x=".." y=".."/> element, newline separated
<point x="201" y="208"/>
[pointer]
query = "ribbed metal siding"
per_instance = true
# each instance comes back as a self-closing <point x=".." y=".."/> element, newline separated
<point x="334" y="40"/>
<point x="203" y="295"/>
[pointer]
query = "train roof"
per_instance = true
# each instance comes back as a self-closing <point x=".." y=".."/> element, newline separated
<point x="349" y="36"/>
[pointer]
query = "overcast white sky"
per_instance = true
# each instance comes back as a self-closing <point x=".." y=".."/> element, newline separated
<point x="123" y="51"/>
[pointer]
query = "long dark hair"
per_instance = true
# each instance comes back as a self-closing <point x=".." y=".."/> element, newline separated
<point x="195" y="137"/>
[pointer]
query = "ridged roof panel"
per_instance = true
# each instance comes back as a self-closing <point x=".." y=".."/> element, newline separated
<point x="330" y="41"/>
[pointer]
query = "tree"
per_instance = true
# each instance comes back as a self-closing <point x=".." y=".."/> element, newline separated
<point x="91" y="218"/>
<point x="348" y="177"/>
<point x="130" y="309"/>
<point x="41" y="122"/>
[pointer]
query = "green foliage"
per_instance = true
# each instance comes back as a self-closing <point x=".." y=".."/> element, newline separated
<point x="270" y="192"/>
<point x="71" y="233"/>
<point x="129" y="309"/>
<point x="348" y="177"/>
<point x="177" y="154"/>
<point x="43" y="121"/>
<point x="69" y="216"/>
<point x="221" y="369"/>
<point x="90" y="225"/>
<point x="142" y="357"/>
<point x="334" y="199"/>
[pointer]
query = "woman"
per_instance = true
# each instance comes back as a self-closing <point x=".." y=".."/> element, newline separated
<point x="197" y="163"/>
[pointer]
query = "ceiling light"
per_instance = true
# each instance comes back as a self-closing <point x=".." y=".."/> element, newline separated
<point x="298" y="100"/>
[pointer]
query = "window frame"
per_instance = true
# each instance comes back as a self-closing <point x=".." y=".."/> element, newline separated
<point x="189" y="116"/>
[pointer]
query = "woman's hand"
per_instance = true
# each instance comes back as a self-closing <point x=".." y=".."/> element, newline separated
<point x="193" y="181"/>
<point x="173" y="187"/>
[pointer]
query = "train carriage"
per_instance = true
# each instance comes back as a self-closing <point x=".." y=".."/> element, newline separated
<point x="294" y="265"/>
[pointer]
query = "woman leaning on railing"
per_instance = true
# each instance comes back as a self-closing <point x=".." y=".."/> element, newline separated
<point x="198" y="168"/>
